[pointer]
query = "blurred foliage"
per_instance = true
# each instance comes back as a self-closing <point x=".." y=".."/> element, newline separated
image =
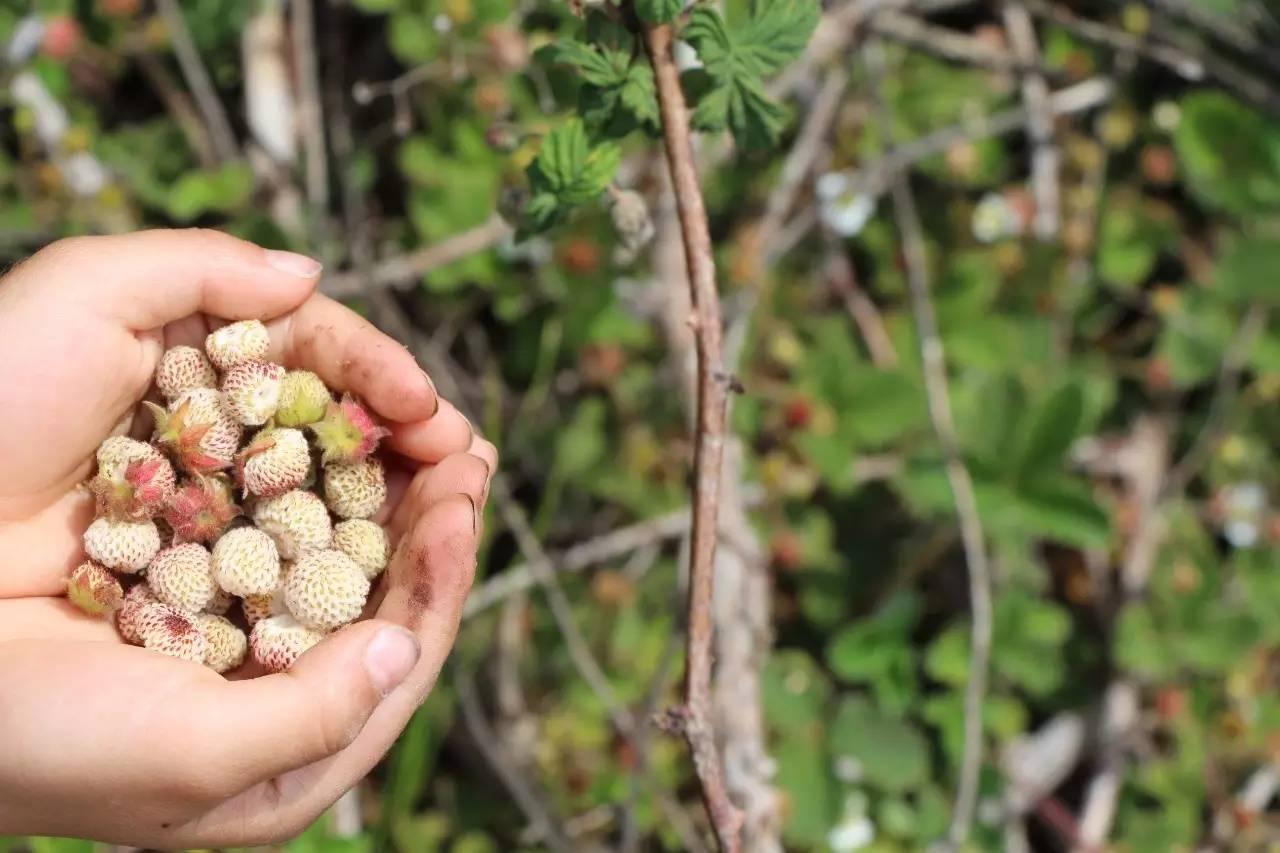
<point x="1170" y="238"/>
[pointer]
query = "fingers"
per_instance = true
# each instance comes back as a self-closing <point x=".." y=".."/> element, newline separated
<point x="350" y="354"/>
<point x="457" y="474"/>
<point x="430" y="577"/>
<point x="42" y="551"/>
<point x="150" y="278"/>
<point x="433" y="439"/>
<point x="291" y="719"/>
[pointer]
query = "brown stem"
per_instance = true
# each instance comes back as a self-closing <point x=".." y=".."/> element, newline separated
<point x="694" y="719"/>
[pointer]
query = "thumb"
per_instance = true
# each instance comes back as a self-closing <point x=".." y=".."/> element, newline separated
<point x="291" y="719"/>
<point x="150" y="278"/>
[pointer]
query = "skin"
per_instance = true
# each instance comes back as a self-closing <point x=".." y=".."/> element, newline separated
<point x="122" y="745"/>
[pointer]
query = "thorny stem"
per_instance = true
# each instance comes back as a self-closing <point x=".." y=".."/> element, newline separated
<point x="694" y="718"/>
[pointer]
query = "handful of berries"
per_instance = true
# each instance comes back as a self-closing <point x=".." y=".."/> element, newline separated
<point x="258" y="487"/>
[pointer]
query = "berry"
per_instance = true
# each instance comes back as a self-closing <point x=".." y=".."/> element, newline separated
<point x="325" y="589"/>
<point x="278" y="641"/>
<point x="365" y="542"/>
<point x="259" y="607"/>
<point x="117" y="451"/>
<point x="276" y="461"/>
<point x="296" y="521"/>
<point x="225" y="644"/>
<point x="247" y="340"/>
<point x="304" y="399"/>
<point x="94" y="590"/>
<point x="245" y="562"/>
<point x="355" y="491"/>
<point x="220" y="603"/>
<point x="61" y="37"/>
<point x="348" y="433"/>
<point x="134" y="483"/>
<point x="171" y="632"/>
<point x="201" y="509"/>
<point x="182" y="369"/>
<point x="181" y="577"/>
<point x="198" y="430"/>
<point x="124" y="546"/>
<point x="138" y="597"/>
<point x="251" y="391"/>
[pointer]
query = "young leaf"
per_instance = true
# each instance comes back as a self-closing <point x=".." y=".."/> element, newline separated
<point x="737" y="60"/>
<point x="567" y="171"/>
<point x="618" y="91"/>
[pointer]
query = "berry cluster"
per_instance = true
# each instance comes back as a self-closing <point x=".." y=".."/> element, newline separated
<point x="256" y="485"/>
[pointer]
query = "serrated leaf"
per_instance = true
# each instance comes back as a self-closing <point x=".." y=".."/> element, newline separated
<point x="737" y="60"/>
<point x="658" y="11"/>
<point x="639" y="95"/>
<point x="568" y="171"/>
<point x="598" y="66"/>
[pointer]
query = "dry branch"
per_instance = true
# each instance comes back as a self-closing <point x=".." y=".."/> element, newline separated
<point x="1035" y="94"/>
<point x="197" y="77"/>
<point x="694" y="718"/>
<point x="938" y="395"/>
<point x="406" y="270"/>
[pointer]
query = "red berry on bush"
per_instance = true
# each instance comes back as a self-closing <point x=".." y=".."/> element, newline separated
<point x="61" y="37"/>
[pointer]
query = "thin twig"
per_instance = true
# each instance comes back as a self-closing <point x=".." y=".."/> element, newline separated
<point x="179" y="105"/>
<point x="950" y="44"/>
<point x="694" y="718"/>
<point x="1224" y="394"/>
<point x="406" y="270"/>
<point x="1035" y="95"/>
<point x="933" y="365"/>
<point x="800" y="159"/>
<point x="487" y="743"/>
<point x="197" y="77"/>
<point x="1183" y="64"/>
<point x="310" y="110"/>
<point x="844" y="281"/>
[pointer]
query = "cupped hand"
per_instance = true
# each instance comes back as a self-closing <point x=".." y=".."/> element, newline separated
<point x="120" y="744"/>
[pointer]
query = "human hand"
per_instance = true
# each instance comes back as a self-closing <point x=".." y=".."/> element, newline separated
<point x="117" y="743"/>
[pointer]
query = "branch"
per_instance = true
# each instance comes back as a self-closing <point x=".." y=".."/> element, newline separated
<point x="486" y="740"/>
<point x="933" y="364"/>
<point x="405" y="270"/>
<point x="1035" y="94"/>
<point x="202" y="89"/>
<point x="1183" y="64"/>
<point x="695" y="716"/>
<point x="310" y="111"/>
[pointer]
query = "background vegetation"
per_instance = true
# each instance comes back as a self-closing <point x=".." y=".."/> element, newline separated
<point x="1099" y="185"/>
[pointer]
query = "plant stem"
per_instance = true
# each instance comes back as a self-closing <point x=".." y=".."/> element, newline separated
<point x="694" y="718"/>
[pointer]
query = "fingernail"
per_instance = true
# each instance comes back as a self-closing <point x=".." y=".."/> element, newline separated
<point x="293" y="263"/>
<point x="390" y="657"/>
<point x="475" y="513"/>
<point x="434" y="393"/>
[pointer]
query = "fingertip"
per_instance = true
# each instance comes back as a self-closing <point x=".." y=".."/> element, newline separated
<point x="389" y="658"/>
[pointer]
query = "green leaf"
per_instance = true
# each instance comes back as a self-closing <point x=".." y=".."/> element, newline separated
<point x="658" y="11"/>
<point x="795" y="690"/>
<point x="736" y="61"/>
<point x="571" y="169"/>
<point x="891" y="752"/>
<point x="220" y="190"/>
<point x="1052" y="429"/>
<point x="1247" y="269"/>
<point x="1229" y="153"/>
